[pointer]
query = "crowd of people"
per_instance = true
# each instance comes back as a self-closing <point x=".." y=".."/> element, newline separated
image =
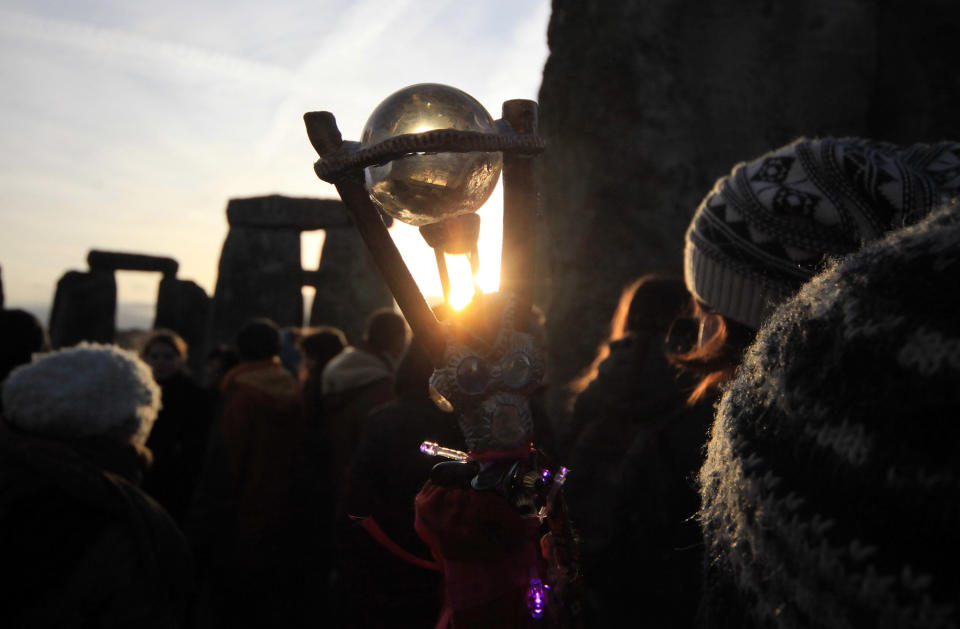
<point x="768" y="441"/>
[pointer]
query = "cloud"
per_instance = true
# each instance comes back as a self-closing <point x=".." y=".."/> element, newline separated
<point x="130" y="125"/>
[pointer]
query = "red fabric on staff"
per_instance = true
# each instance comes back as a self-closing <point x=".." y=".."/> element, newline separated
<point x="488" y="553"/>
<point x="370" y="526"/>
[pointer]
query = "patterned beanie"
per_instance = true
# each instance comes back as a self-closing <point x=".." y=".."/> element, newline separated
<point x="83" y="391"/>
<point x="766" y="228"/>
<point x="831" y="489"/>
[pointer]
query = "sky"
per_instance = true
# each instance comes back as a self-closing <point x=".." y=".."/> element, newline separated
<point x="127" y="126"/>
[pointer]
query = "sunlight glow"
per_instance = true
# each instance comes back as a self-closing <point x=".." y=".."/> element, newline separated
<point x="422" y="263"/>
<point x="461" y="281"/>
<point x="311" y="245"/>
<point x="307" y="293"/>
<point x="138" y="292"/>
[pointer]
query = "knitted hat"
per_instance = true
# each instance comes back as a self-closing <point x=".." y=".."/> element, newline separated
<point x="83" y="391"/>
<point x="766" y="228"/>
<point x="831" y="489"/>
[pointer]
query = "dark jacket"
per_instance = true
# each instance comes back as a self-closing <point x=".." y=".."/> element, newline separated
<point x="354" y="383"/>
<point x="387" y="472"/>
<point x="632" y="492"/>
<point x="248" y="518"/>
<point x="81" y="544"/>
<point x="177" y="442"/>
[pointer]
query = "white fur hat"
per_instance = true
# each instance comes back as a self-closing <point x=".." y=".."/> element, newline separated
<point x="83" y="391"/>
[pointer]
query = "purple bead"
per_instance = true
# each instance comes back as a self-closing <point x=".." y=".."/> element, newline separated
<point x="536" y="600"/>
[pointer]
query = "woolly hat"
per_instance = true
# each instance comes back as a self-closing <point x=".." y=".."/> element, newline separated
<point x="831" y="489"/>
<point x="83" y="391"/>
<point x="766" y="228"/>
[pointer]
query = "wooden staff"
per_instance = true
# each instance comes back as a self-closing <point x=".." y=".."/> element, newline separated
<point x="519" y="211"/>
<point x="326" y="139"/>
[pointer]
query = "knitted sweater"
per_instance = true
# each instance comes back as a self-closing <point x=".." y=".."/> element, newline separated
<point x="830" y="491"/>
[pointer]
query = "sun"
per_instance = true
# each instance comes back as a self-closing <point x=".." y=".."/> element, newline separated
<point x="420" y="259"/>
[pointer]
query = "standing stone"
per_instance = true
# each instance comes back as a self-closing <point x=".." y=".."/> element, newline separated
<point x="645" y="104"/>
<point x="259" y="277"/>
<point x="348" y="285"/>
<point x="84" y="309"/>
<point x="183" y="306"/>
<point x="260" y="273"/>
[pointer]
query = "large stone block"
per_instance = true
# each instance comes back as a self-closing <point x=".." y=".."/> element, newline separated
<point x="645" y="104"/>
<point x="279" y="212"/>
<point x="183" y="306"/>
<point x="116" y="261"/>
<point x="84" y="309"/>
<point x="259" y="276"/>
<point x="348" y="284"/>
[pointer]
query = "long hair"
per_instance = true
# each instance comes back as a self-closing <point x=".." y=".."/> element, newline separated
<point x="652" y="302"/>
<point x="715" y="357"/>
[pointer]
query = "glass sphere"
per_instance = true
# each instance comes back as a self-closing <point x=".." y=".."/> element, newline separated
<point x="420" y="189"/>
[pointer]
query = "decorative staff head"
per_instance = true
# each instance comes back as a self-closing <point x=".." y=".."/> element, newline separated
<point x="493" y="363"/>
<point x="430" y="156"/>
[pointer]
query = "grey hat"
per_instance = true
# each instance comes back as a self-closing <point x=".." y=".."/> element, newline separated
<point x="83" y="391"/>
<point x="768" y="227"/>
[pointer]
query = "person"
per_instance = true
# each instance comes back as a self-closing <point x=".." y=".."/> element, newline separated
<point x="247" y="521"/>
<point x="83" y="546"/>
<point x="637" y="451"/>
<point x="829" y="493"/>
<point x="379" y="550"/>
<point x="317" y="347"/>
<point x="290" y="355"/>
<point x="220" y="360"/>
<point x="21" y="336"/>
<point x="358" y="380"/>
<point x="179" y="435"/>
<point x="775" y="222"/>
<point x="771" y="224"/>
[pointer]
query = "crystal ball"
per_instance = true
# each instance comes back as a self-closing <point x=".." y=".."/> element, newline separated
<point x="420" y="189"/>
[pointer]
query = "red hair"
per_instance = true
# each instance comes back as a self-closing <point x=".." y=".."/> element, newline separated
<point x="714" y="359"/>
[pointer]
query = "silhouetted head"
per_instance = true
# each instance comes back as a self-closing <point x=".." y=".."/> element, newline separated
<point x="774" y="222"/>
<point x="655" y="303"/>
<point x="258" y="339"/>
<point x="386" y="333"/>
<point x="21" y="336"/>
<point x="166" y="353"/>
<point x="220" y="360"/>
<point x="83" y="391"/>
<point x="319" y="346"/>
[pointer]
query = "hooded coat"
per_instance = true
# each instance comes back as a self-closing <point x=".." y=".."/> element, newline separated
<point x="355" y="382"/>
<point x="248" y="519"/>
